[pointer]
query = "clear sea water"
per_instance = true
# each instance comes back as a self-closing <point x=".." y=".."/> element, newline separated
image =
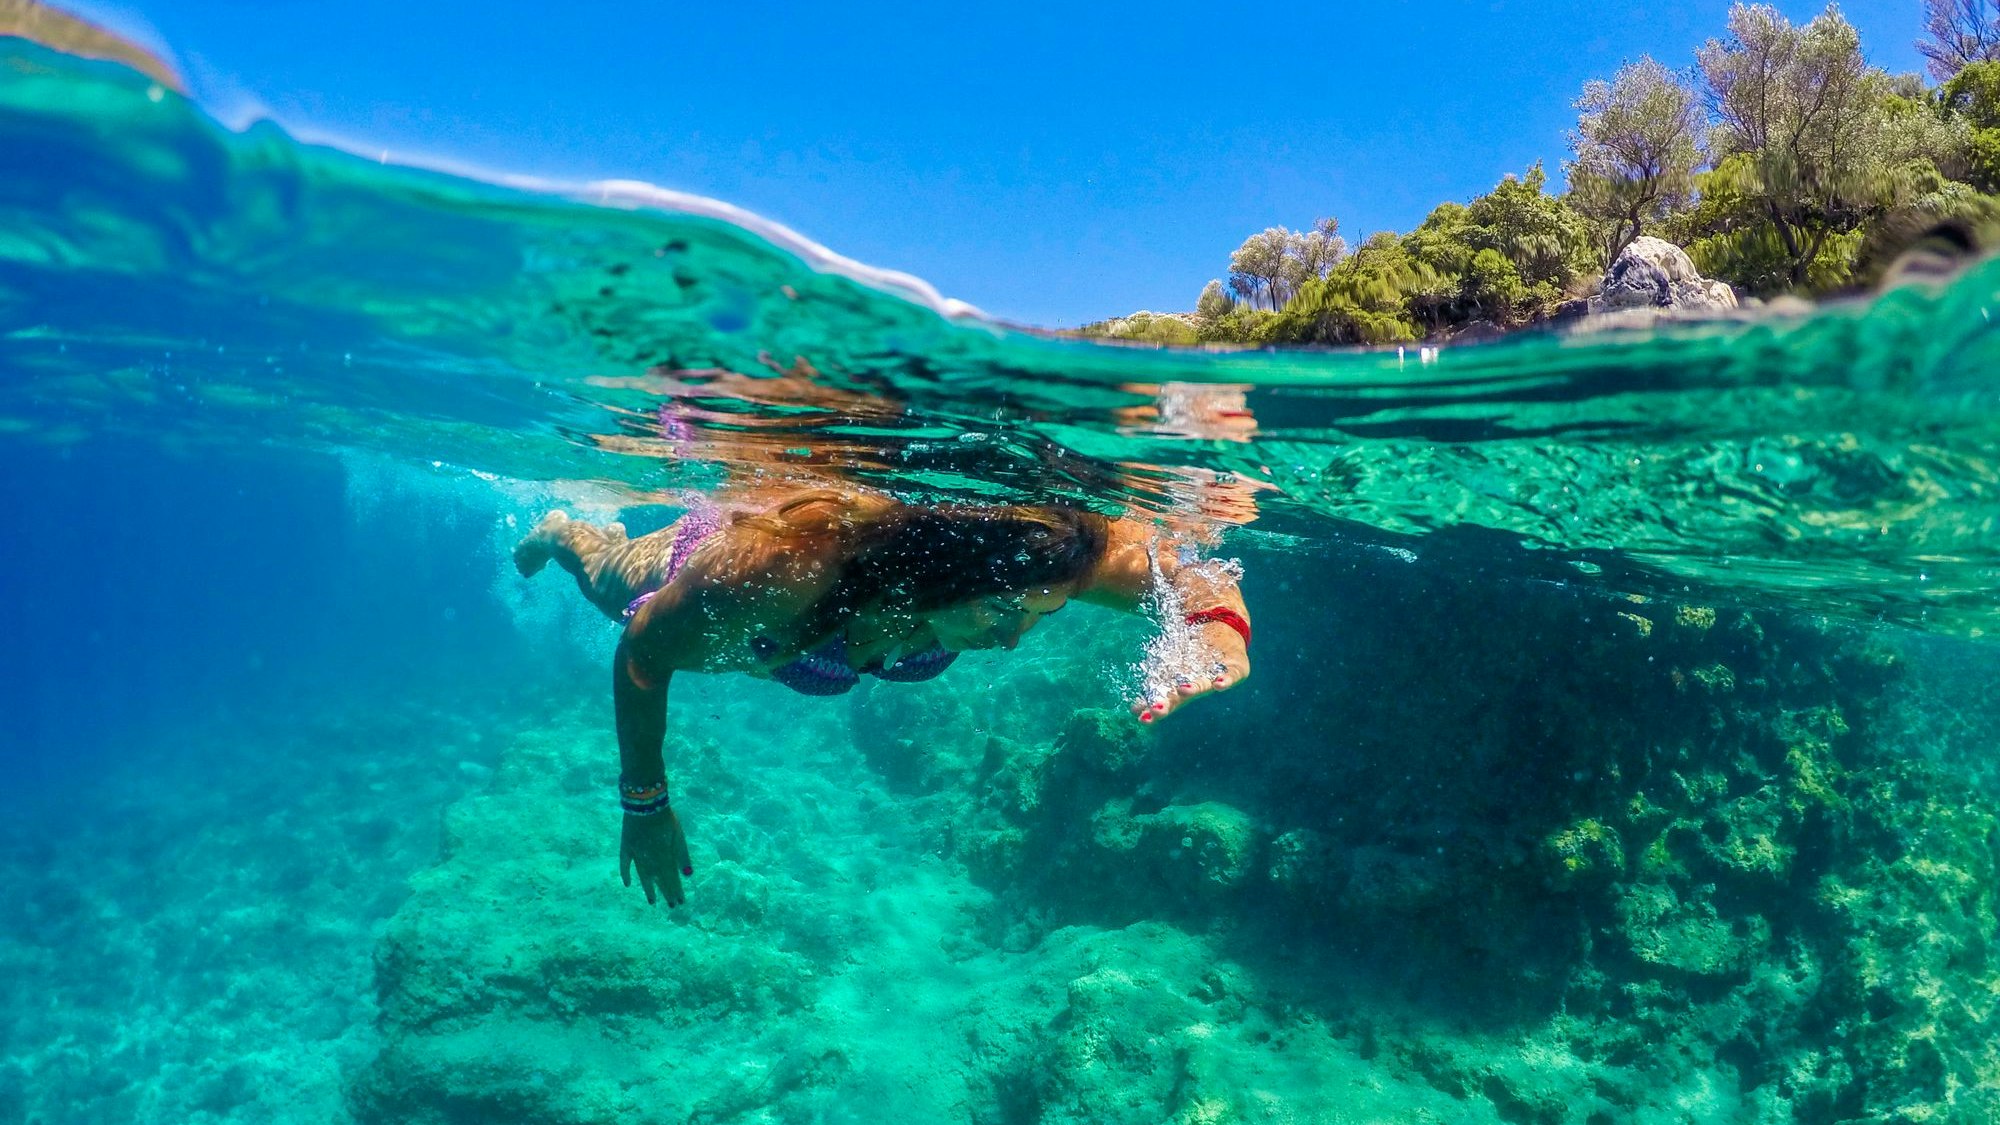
<point x="1619" y="746"/>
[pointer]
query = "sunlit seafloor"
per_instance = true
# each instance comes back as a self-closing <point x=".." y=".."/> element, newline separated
<point x="1619" y="748"/>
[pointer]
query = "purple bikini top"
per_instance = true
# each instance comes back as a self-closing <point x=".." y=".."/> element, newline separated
<point x="823" y="671"/>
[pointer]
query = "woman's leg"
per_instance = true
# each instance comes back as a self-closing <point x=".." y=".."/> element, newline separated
<point x="609" y="568"/>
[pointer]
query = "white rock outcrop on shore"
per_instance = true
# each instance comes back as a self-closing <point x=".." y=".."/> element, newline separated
<point x="1655" y="275"/>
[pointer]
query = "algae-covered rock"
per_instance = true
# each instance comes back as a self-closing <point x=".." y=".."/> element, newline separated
<point x="919" y="737"/>
<point x="1747" y="836"/>
<point x="1199" y="851"/>
<point x="1914" y="983"/>
<point x="1606" y="874"/>
<point x="1691" y="937"/>
<point x="197" y="949"/>
<point x="1300" y="862"/>
<point x="1104" y="740"/>
<point x="1119" y="1049"/>
<point x="1586" y="851"/>
<point x="1535" y="1081"/>
<point x="1151" y="1024"/>
<point x="1631" y="820"/>
<point x="1390" y="883"/>
<point x="521" y="981"/>
<point x="1695" y="617"/>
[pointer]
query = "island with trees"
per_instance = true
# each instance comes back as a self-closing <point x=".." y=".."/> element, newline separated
<point x="1781" y="161"/>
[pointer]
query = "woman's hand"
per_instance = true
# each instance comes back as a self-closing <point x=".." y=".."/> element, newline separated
<point x="1232" y="667"/>
<point x="656" y="845"/>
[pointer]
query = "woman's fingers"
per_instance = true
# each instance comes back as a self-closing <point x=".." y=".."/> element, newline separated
<point x="678" y="835"/>
<point x="1225" y="677"/>
<point x="626" y="862"/>
<point x="628" y="858"/>
<point x="1152" y="710"/>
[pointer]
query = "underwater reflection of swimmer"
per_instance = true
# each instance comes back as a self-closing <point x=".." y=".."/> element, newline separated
<point x="817" y="588"/>
<point x="1205" y="411"/>
<point x="789" y="420"/>
<point x="795" y="421"/>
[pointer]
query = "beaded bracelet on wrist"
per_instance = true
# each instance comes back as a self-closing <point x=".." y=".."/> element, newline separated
<point x="643" y="799"/>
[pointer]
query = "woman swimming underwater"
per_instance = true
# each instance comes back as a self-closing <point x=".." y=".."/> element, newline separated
<point x="821" y="587"/>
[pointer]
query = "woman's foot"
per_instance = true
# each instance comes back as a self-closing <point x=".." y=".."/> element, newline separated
<point x="535" y="550"/>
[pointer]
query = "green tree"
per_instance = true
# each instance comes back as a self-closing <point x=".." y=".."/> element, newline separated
<point x="1440" y="241"/>
<point x="1240" y="325"/>
<point x="1808" y="114"/>
<point x="1494" y="289"/>
<point x="1729" y="236"/>
<point x="1440" y="245"/>
<point x="1319" y="249"/>
<point x="1430" y="295"/>
<point x="1637" y="144"/>
<point x="1272" y="264"/>
<point x="1543" y="242"/>
<point x="1257" y="269"/>
<point x="1362" y="300"/>
<point x="1544" y="238"/>
<point x="1922" y="137"/>
<point x="1973" y="96"/>
<point x="1541" y="237"/>
<point x="1175" y="329"/>
<point x="1214" y="303"/>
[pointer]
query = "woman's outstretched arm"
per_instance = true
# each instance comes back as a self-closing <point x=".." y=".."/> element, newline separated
<point x="651" y="839"/>
<point x="1209" y="601"/>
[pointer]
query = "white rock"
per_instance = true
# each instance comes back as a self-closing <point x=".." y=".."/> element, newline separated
<point x="1654" y="274"/>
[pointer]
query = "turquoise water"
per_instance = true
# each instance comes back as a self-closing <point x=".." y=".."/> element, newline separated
<point x="1618" y="748"/>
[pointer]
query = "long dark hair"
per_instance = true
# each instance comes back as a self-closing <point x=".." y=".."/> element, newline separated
<point x="902" y="558"/>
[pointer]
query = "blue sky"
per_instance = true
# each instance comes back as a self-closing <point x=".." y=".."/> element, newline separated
<point x="1052" y="164"/>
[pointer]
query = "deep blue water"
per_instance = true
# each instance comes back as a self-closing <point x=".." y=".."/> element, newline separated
<point x="153" y="590"/>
